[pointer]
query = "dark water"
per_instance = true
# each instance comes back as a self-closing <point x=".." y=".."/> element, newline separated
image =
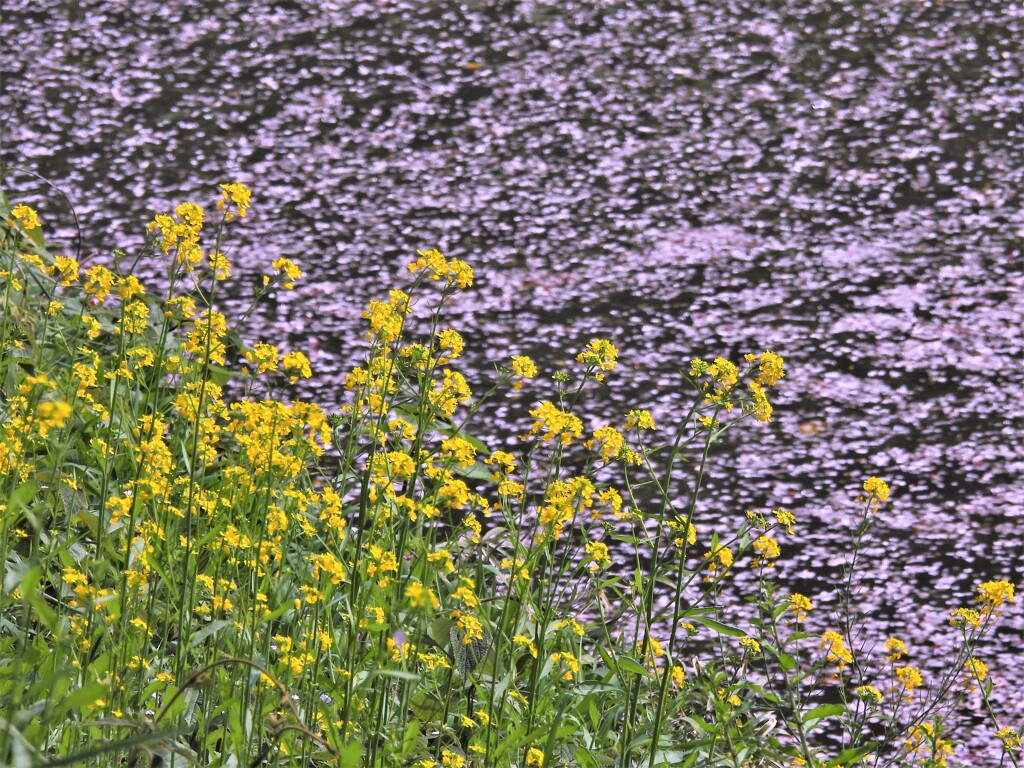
<point x="838" y="181"/>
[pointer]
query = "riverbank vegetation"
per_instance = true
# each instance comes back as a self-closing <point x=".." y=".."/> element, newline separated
<point x="199" y="570"/>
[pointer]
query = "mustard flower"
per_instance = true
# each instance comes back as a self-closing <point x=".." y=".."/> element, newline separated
<point x="684" y="532"/>
<point x="968" y="616"/>
<point x="25" y="216"/>
<point x="435" y="266"/>
<point x="451" y="759"/>
<point x="992" y="595"/>
<point x="608" y="442"/>
<point x="296" y="365"/>
<point x="750" y="644"/>
<point x="599" y="557"/>
<point x="235" y="194"/>
<point x="771" y="368"/>
<point x="677" y="675"/>
<point x="134" y="317"/>
<point x="504" y="463"/>
<point x="129" y="287"/>
<point x="220" y="265"/>
<point x="640" y="419"/>
<point x="767" y="549"/>
<point x="976" y="669"/>
<point x="571" y="624"/>
<point x="571" y="665"/>
<point x="1011" y="739"/>
<point x="785" y="518"/>
<point x="876" y="488"/>
<point x="99" y="282"/>
<point x="600" y="354"/>
<point x="420" y="596"/>
<point x="534" y="757"/>
<point x="719" y="559"/>
<point x="897" y="649"/>
<point x="800" y="606"/>
<point x="451" y="342"/>
<point x="909" y="677"/>
<point x="263" y="356"/>
<point x="65" y="270"/>
<point x="458" y="450"/>
<point x="835" y="649"/>
<point x="552" y="423"/>
<point x="527" y="643"/>
<point x="869" y="694"/>
<point x="287" y="271"/>
<point x="759" y="404"/>
<point x="523" y="366"/>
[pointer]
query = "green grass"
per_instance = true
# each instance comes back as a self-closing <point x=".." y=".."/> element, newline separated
<point x="200" y="578"/>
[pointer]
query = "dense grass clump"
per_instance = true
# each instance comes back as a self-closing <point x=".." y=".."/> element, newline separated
<point x="199" y="578"/>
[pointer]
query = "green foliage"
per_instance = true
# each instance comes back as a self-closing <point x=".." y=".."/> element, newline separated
<point x="199" y="571"/>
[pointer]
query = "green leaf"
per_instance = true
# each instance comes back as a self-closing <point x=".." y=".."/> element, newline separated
<point x="584" y="759"/>
<point x="411" y="738"/>
<point x="850" y="756"/>
<point x="719" y="627"/>
<point x="632" y="666"/>
<point x="822" y="711"/>
<point x="426" y="706"/>
<point x="787" y="661"/>
<point x="210" y="629"/>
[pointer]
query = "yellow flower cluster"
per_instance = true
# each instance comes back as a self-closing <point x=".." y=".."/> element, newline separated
<point x="835" y="649"/>
<point x="234" y="199"/>
<point x="25" y="217"/>
<point x="553" y="423"/>
<point x="435" y="266"/>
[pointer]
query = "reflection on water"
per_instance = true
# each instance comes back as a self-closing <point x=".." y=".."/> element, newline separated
<point x="839" y="181"/>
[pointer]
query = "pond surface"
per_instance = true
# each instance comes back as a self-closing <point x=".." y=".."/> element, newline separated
<point x="839" y="181"/>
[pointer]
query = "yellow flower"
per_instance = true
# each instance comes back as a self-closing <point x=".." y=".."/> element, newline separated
<point x="263" y="356"/>
<point x="523" y="367"/>
<point x="599" y="556"/>
<point x="877" y="489"/>
<point x="800" y="605"/>
<point x="526" y="642"/>
<point x="720" y="558"/>
<point x="897" y="649"/>
<point x="296" y="365"/>
<point x="771" y="368"/>
<point x="1010" y="738"/>
<point x="785" y="518"/>
<point x="600" y="354"/>
<point x="976" y="669"/>
<point x="551" y="423"/>
<point x="99" y="281"/>
<point x="26" y="217"/>
<point x="420" y="596"/>
<point x="836" y="650"/>
<point x="767" y="549"/>
<point x="869" y="693"/>
<point x="66" y="270"/>
<point x="678" y="676"/>
<point x="909" y="677"/>
<point x="287" y="272"/>
<point x="451" y="342"/>
<point x="234" y="194"/>
<point x="534" y="757"/>
<point x="969" y="617"/>
<point x="640" y="419"/>
<point x="220" y="265"/>
<point x="994" y="594"/>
